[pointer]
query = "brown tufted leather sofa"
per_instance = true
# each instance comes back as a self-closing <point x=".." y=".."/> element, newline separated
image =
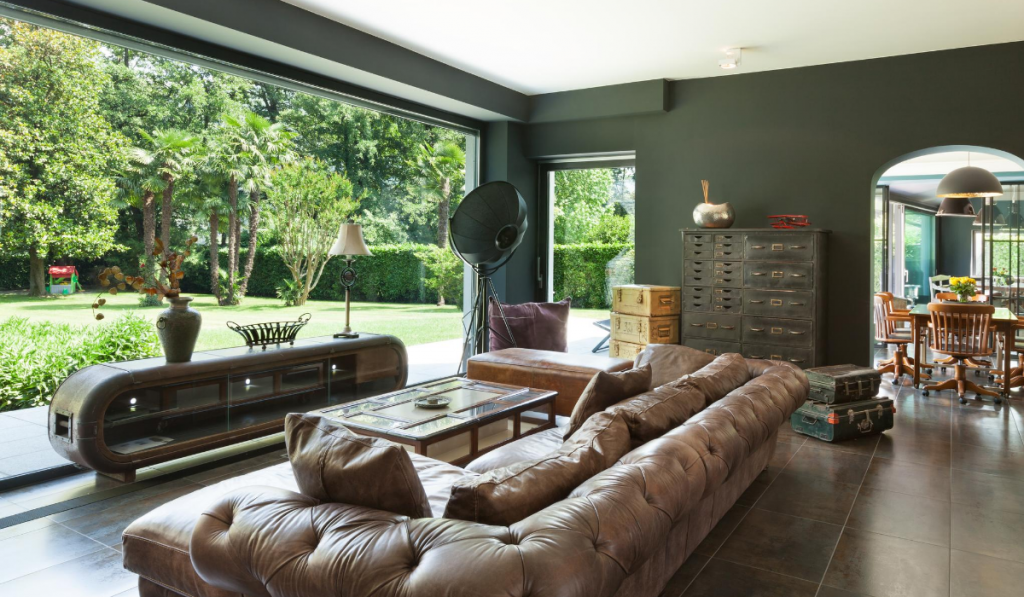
<point x="622" y="532"/>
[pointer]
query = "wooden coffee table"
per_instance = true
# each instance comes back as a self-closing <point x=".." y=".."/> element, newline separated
<point x="479" y="417"/>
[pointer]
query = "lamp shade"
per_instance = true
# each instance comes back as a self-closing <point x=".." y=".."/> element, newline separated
<point x="997" y="216"/>
<point x="350" y="241"/>
<point x="956" y="206"/>
<point x="488" y="225"/>
<point x="970" y="181"/>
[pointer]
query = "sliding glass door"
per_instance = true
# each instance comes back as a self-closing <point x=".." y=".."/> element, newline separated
<point x="918" y="252"/>
<point x="903" y="247"/>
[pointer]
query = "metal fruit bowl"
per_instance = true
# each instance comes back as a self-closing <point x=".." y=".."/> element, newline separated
<point x="273" y="332"/>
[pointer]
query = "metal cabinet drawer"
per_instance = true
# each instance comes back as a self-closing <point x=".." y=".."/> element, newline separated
<point x="697" y="302"/>
<point x="728" y="237"/>
<point x="774" y="274"/>
<point x="727" y="292"/>
<point x="697" y="250"/>
<point x="712" y="347"/>
<point x="801" y="357"/>
<point x="779" y="247"/>
<point x="712" y="326"/>
<point x="697" y="268"/>
<point x="726" y="304"/>
<point x="783" y="332"/>
<point x="794" y="304"/>
<point x="728" y="250"/>
<point x="703" y="237"/>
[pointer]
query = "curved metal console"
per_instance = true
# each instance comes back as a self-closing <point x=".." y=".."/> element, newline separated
<point x="116" y="418"/>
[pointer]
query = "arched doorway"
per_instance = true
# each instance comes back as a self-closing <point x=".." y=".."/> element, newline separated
<point x="911" y="245"/>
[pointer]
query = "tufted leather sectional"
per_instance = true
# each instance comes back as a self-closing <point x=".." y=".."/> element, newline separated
<point x="622" y="532"/>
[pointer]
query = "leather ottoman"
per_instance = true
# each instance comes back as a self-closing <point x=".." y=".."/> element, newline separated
<point x="567" y="374"/>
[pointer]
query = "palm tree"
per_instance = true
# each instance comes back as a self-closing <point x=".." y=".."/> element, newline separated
<point x="442" y="167"/>
<point x="204" y="195"/>
<point x="247" y="150"/>
<point x="137" y="187"/>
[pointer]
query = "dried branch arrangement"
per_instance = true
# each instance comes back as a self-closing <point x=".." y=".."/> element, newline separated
<point x="704" y="184"/>
<point x="170" y="264"/>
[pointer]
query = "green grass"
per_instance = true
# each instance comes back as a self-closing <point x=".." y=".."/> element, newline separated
<point x="413" y="324"/>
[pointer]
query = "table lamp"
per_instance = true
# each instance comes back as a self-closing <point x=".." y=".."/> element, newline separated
<point x="349" y="244"/>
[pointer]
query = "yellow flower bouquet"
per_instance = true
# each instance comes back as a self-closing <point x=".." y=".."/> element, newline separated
<point x="965" y="288"/>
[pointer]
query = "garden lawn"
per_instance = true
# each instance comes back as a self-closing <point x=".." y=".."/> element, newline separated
<point x="413" y="324"/>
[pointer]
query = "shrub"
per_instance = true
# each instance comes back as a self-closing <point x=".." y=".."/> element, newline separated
<point x="13" y="273"/>
<point x="445" y="272"/>
<point x="582" y="271"/>
<point x="35" y="357"/>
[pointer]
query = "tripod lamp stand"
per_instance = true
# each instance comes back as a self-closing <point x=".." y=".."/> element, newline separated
<point x="349" y="244"/>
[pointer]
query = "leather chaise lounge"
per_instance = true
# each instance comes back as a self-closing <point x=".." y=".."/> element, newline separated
<point x="691" y="447"/>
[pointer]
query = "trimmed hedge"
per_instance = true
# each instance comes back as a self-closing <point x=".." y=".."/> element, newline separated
<point x="587" y="272"/>
<point x="394" y="274"/>
<point x="14" y="273"/>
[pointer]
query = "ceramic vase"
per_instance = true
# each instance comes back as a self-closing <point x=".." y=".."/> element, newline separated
<point x="178" y="329"/>
<point x="710" y="215"/>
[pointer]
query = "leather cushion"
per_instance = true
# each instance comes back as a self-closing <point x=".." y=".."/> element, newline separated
<point x="719" y="377"/>
<point x="531" y="447"/>
<point x="655" y="412"/>
<point x="510" y="494"/>
<point x="669" y="362"/>
<point x="332" y="464"/>
<point x="542" y="326"/>
<point x="606" y="389"/>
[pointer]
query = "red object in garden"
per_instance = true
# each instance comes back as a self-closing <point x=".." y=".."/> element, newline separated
<point x="63" y="271"/>
<point x="789" y="222"/>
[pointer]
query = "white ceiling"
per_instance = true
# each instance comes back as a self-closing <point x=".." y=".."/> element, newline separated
<point x="918" y="178"/>
<point x="541" y="46"/>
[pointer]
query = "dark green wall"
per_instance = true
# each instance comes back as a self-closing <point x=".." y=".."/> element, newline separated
<point x="954" y="250"/>
<point x="810" y="140"/>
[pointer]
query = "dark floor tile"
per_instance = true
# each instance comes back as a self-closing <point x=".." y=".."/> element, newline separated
<point x="809" y="497"/>
<point x="989" y="437"/>
<point x="36" y="550"/>
<point x="989" y="532"/>
<point x="60" y="489"/>
<point x="727" y="579"/>
<point x="721" y="531"/>
<point x="884" y="566"/>
<point x="825" y="591"/>
<point x="864" y="446"/>
<point x="107" y="525"/>
<point x="901" y="515"/>
<point x="784" y="452"/>
<point x="98" y="574"/>
<point x="25" y="527"/>
<point x="126" y="498"/>
<point x="914" y="450"/>
<point x="760" y="484"/>
<point x="784" y="544"/>
<point x="973" y="575"/>
<point x="832" y="465"/>
<point x="986" y="460"/>
<point x="988" y="491"/>
<point x="904" y="477"/>
<point x="684" y="575"/>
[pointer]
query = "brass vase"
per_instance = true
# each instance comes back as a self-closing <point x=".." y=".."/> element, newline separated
<point x="710" y="215"/>
<point x="178" y="329"/>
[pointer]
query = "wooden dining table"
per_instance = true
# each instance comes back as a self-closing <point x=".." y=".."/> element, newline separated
<point x="1003" y="320"/>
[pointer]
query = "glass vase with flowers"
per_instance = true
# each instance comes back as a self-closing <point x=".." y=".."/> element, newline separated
<point x="965" y="288"/>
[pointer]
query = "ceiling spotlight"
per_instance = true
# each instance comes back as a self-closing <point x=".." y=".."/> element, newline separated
<point x="732" y="58"/>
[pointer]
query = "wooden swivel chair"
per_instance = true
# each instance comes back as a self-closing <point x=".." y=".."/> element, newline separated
<point x="1015" y="345"/>
<point x="887" y="333"/>
<point x="977" y="364"/>
<point x="897" y="316"/>
<point x="961" y="331"/>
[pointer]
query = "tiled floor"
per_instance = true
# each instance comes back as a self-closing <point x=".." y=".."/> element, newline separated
<point x="933" y="507"/>
<point x="24" y="446"/>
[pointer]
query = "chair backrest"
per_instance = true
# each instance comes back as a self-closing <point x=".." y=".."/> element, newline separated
<point x="884" y="327"/>
<point x="938" y="284"/>
<point x="951" y="296"/>
<point x="961" y="329"/>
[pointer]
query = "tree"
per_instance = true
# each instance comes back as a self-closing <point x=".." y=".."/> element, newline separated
<point x="246" y="152"/>
<point x="581" y="199"/>
<point x="59" y="148"/>
<point x="442" y="172"/>
<point x="310" y="203"/>
<point x="445" y="271"/>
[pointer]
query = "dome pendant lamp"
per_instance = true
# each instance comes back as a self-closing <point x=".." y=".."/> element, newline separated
<point x="959" y="186"/>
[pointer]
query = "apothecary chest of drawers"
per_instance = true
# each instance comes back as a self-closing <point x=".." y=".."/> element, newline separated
<point x="759" y="292"/>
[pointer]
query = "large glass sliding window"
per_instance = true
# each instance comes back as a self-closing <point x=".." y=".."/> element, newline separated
<point x="918" y="252"/>
<point x="997" y="260"/>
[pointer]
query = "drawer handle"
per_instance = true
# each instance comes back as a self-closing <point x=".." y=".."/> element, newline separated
<point x="728" y="327"/>
<point x="719" y="291"/>
<point x="698" y="289"/>
<point x="796" y="304"/>
<point x="776" y="357"/>
<point x="724" y="272"/>
<point x="753" y="302"/>
<point x="777" y="330"/>
<point x="778" y="247"/>
<point x="758" y="247"/>
<point x="711" y="326"/>
<point x="755" y="356"/>
<point x="696" y="325"/>
<point x="666" y="300"/>
<point x="664" y="332"/>
<point x="797" y="247"/>
<point x="757" y="273"/>
<point x="796" y="361"/>
<point x="777" y="274"/>
<point x="710" y="351"/>
<point x="796" y="333"/>
<point x="696" y="304"/>
<point x="776" y="302"/>
<point x="723" y="280"/>
<point x="698" y="244"/>
<point x="722" y="253"/>
<point x="797" y="276"/>
<point x="757" y="329"/>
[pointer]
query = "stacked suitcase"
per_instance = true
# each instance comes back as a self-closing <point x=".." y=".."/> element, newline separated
<point x="643" y="314"/>
<point x="843" y="404"/>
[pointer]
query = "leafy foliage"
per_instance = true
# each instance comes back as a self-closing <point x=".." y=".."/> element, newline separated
<point x="445" y="271"/>
<point x="585" y="272"/>
<point x="36" y="357"/>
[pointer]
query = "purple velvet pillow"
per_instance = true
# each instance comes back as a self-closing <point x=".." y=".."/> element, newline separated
<point x="541" y="326"/>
